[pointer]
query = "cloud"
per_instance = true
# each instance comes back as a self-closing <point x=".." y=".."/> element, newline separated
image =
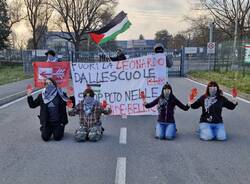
<point x="150" y="16"/>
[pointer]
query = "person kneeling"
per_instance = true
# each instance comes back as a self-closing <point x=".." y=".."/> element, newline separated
<point x="211" y="126"/>
<point x="90" y="111"/>
<point x="53" y="114"/>
<point x="166" y="127"/>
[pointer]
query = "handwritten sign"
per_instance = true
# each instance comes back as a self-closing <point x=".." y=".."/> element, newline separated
<point x="121" y="83"/>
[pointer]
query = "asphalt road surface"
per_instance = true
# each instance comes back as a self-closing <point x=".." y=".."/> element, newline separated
<point x="128" y="152"/>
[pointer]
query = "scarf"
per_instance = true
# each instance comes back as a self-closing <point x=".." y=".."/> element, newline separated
<point x="162" y="104"/>
<point x="88" y="105"/>
<point x="50" y="92"/>
<point x="209" y="101"/>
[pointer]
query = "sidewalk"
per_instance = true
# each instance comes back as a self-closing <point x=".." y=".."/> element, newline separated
<point x="13" y="91"/>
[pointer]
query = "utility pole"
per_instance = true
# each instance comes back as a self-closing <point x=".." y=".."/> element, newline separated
<point x="211" y="30"/>
<point x="235" y="35"/>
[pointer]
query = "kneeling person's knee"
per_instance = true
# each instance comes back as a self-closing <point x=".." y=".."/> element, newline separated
<point x="95" y="134"/>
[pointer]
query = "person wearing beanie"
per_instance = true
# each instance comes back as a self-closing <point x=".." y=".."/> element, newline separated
<point x="159" y="48"/>
<point x="51" y="56"/>
<point x="90" y="111"/>
<point x="119" y="56"/>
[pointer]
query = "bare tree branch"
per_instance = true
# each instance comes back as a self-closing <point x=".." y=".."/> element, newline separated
<point x="38" y="15"/>
<point x="224" y="14"/>
<point x="76" y="17"/>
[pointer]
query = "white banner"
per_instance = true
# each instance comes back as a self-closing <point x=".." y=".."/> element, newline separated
<point x="120" y="83"/>
<point x="191" y="50"/>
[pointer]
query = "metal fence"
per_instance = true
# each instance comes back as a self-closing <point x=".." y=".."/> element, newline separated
<point x="225" y="58"/>
<point x="236" y="58"/>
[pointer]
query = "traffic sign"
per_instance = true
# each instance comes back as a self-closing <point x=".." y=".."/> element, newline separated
<point x="211" y="48"/>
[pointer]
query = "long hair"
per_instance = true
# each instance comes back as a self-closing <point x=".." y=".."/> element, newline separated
<point x="166" y="86"/>
<point x="52" y="80"/>
<point x="213" y="84"/>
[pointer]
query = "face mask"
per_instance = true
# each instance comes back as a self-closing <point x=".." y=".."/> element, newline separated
<point x="212" y="91"/>
<point x="49" y="88"/>
<point x="88" y="104"/>
<point x="166" y="93"/>
<point x="51" y="58"/>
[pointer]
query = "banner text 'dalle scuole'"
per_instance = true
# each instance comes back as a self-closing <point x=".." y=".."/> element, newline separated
<point x="120" y="83"/>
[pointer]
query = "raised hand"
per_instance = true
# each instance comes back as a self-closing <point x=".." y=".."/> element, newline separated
<point x="69" y="103"/>
<point x="29" y="89"/>
<point x="143" y="97"/>
<point x="70" y="91"/>
<point x="104" y="104"/>
<point x="193" y="95"/>
<point x="234" y="93"/>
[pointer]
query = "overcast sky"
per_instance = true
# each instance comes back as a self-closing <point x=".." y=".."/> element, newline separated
<point x="147" y="17"/>
<point x="150" y="16"/>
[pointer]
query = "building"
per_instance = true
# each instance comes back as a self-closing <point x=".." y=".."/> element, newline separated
<point x="55" y="41"/>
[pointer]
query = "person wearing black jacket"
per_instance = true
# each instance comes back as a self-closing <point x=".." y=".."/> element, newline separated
<point x="166" y="102"/>
<point x="159" y="48"/>
<point x="53" y="115"/>
<point x="211" y="125"/>
<point x="119" y="56"/>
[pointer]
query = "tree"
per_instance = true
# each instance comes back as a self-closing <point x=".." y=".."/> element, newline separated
<point x="38" y="14"/>
<point x="163" y="37"/>
<point x="40" y="43"/>
<point x="76" y="17"/>
<point x="4" y="25"/>
<point x="179" y="40"/>
<point x="224" y="14"/>
<point x="141" y="37"/>
<point x="198" y="32"/>
<point x="16" y="13"/>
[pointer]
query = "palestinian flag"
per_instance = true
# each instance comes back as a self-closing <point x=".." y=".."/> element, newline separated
<point x="109" y="32"/>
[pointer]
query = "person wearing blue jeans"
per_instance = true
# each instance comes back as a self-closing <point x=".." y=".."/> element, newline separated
<point x="166" y="102"/>
<point x="211" y="123"/>
<point x="212" y="131"/>
<point x="165" y="130"/>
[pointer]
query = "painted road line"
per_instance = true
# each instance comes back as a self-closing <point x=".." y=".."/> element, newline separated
<point x="17" y="100"/>
<point x="120" y="176"/>
<point x="239" y="98"/>
<point x="123" y="136"/>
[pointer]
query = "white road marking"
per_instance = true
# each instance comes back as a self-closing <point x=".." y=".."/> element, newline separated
<point x="123" y="136"/>
<point x="120" y="176"/>
<point x="17" y="100"/>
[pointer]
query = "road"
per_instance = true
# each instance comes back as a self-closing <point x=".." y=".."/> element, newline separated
<point x="134" y="157"/>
